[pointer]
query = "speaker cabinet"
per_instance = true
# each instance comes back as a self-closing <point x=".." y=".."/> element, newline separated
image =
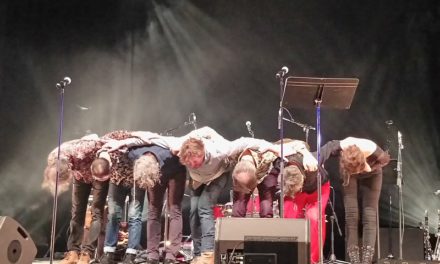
<point x="393" y="261"/>
<point x="16" y="246"/>
<point x="262" y="240"/>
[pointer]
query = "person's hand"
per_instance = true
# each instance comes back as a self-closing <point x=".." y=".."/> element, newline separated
<point x="112" y="146"/>
<point x="309" y="162"/>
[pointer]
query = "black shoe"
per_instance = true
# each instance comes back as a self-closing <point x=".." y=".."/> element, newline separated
<point x="141" y="257"/>
<point x="129" y="259"/>
<point x="108" y="258"/>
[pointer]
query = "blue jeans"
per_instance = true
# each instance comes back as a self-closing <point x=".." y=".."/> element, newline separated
<point x="116" y="201"/>
<point x="202" y="220"/>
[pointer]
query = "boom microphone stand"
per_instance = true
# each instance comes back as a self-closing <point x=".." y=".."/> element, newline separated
<point x="192" y="120"/>
<point x="61" y="85"/>
<point x="306" y="128"/>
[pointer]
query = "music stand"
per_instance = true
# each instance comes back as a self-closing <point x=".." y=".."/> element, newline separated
<point x="309" y="92"/>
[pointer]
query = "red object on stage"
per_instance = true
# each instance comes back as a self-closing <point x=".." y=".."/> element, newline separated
<point x="218" y="210"/>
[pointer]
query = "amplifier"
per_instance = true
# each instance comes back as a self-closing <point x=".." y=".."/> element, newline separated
<point x="265" y="240"/>
<point x="396" y="261"/>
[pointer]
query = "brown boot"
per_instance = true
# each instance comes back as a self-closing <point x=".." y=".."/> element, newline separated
<point x="70" y="257"/>
<point x="195" y="260"/>
<point x="84" y="258"/>
<point x="206" y="258"/>
<point x="353" y="254"/>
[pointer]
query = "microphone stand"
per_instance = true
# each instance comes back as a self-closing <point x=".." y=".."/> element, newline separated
<point x="55" y="197"/>
<point x="282" y="84"/>
<point x="399" y="185"/>
<point x="305" y="127"/>
<point x="168" y="132"/>
<point x="334" y="219"/>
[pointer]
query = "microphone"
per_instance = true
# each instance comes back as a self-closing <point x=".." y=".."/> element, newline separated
<point x="65" y="82"/>
<point x="282" y="72"/>
<point x="249" y="128"/>
<point x="389" y="122"/>
<point x="193" y="120"/>
<point x="437" y="192"/>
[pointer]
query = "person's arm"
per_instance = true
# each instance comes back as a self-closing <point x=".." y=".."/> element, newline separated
<point x="331" y="148"/>
<point x="113" y="145"/>
<point x="206" y="133"/>
<point x="239" y="145"/>
<point x="365" y="145"/>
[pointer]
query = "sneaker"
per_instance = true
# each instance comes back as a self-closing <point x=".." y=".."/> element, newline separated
<point x="70" y="257"/>
<point x="84" y="258"/>
<point x="129" y="258"/>
<point x="108" y="258"/>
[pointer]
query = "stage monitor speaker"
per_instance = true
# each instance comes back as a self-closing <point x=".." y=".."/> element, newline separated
<point x="262" y="240"/>
<point x="395" y="261"/>
<point x="16" y="245"/>
<point x="412" y="248"/>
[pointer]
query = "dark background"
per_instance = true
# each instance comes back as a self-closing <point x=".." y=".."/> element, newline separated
<point x="146" y="65"/>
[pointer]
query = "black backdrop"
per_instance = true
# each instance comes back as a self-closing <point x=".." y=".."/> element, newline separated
<point x="148" y="64"/>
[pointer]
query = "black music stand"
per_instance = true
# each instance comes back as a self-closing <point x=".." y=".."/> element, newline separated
<point x="312" y="92"/>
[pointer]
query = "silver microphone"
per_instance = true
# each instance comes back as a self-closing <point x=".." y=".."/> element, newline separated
<point x="282" y="72"/>
<point x="193" y="120"/>
<point x="65" y="82"/>
<point x="249" y="128"/>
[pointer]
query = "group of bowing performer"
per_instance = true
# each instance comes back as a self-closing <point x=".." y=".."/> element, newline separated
<point x="124" y="163"/>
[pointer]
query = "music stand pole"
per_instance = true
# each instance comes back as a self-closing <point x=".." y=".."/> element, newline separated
<point x="55" y="197"/>
<point x="305" y="91"/>
<point x="318" y="101"/>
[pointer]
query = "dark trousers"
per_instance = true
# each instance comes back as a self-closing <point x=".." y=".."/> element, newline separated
<point x="266" y="193"/>
<point x="80" y="197"/>
<point x="176" y="189"/>
<point x="369" y="186"/>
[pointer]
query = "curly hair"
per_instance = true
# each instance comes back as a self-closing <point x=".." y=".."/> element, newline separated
<point x="50" y="174"/>
<point x="352" y="161"/>
<point x="293" y="180"/>
<point x="146" y="171"/>
<point x="191" y="147"/>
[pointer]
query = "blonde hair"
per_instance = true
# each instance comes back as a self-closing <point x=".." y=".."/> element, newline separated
<point x="190" y="148"/>
<point x="50" y="174"/>
<point x="293" y="180"/>
<point x="352" y="161"/>
<point x="146" y="171"/>
<point x="247" y="167"/>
